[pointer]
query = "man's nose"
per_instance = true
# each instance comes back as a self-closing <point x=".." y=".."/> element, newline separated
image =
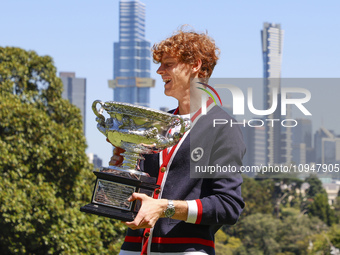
<point x="160" y="70"/>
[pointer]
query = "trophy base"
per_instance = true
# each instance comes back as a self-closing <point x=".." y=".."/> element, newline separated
<point x="111" y="193"/>
<point x="109" y="212"/>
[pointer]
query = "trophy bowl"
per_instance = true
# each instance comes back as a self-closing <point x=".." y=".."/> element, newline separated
<point x="138" y="130"/>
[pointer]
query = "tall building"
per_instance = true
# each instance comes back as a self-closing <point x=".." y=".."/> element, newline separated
<point x="302" y="142"/>
<point x="75" y="92"/>
<point x="327" y="147"/>
<point x="299" y="153"/>
<point x="278" y="139"/>
<point x="254" y="138"/>
<point x="95" y="160"/>
<point x="132" y="57"/>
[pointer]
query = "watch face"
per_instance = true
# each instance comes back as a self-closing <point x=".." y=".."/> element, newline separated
<point x="169" y="212"/>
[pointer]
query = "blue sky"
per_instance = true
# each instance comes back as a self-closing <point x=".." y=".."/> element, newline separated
<point x="79" y="36"/>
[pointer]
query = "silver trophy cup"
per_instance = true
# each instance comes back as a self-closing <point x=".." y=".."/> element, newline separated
<point x="138" y="130"/>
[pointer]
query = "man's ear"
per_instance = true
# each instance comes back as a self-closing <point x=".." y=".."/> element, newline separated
<point x="197" y="66"/>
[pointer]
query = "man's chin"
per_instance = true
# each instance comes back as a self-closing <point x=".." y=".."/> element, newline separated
<point x="167" y="92"/>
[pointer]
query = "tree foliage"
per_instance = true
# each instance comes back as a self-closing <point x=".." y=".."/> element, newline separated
<point x="315" y="186"/>
<point x="226" y="245"/>
<point x="321" y="209"/>
<point x="280" y="219"/>
<point x="258" y="196"/>
<point x="266" y="234"/>
<point x="45" y="176"/>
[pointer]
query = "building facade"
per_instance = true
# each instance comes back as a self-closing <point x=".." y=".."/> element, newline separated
<point x="302" y="142"/>
<point x="75" y="92"/>
<point x="254" y="138"/>
<point x="132" y="57"/>
<point x="327" y="147"/>
<point x="95" y="160"/>
<point x="278" y="139"/>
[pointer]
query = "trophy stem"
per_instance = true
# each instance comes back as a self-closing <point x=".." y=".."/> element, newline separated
<point x="131" y="160"/>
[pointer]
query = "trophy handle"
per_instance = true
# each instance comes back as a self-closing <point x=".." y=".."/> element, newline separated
<point x="100" y="116"/>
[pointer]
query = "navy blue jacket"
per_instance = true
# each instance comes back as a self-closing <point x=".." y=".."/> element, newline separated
<point x="212" y="202"/>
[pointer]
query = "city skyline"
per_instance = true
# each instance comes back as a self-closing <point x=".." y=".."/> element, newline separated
<point x="83" y="45"/>
<point x="302" y="148"/>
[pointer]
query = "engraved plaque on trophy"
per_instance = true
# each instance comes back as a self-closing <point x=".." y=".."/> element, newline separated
<point x="138" y="130"/>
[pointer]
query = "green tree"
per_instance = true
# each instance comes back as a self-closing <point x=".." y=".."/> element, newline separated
<point x="295" y="234"/>
<point x="226" y="245"/>
<point x="45" y="176"/>
<point x="315" y="186"/>
<point x="257" y="195"/>
<point x="334" y="235"/>
<point x="321" y="209"/>
<point x="266" y="234"/>
<point x="284" y="188"/>
<point x="326" y="241"/>
<point x="337" y="207"/>
<point x="258" y="198"/>
<point x="260" y="234"/>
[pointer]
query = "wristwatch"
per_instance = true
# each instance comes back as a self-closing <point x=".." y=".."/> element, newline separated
<point x="170" y="210"/>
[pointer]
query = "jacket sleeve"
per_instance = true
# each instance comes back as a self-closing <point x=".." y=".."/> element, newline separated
<point x="221" y="201"/>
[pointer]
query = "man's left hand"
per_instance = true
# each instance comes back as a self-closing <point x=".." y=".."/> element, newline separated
<point x="151" y="210"/>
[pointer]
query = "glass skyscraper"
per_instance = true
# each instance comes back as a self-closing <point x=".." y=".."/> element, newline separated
<point x="75" y="92"/>
<point x="278" y="139"/>
<point x="132" y="59"/>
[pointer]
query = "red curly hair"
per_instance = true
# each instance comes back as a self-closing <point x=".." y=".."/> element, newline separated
<point x="188" y="47"/>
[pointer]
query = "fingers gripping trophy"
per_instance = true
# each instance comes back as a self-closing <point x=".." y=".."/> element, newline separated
<point x="138" y="130"/>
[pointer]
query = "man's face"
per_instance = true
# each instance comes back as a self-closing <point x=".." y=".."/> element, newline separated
<point x="176" y="76"/>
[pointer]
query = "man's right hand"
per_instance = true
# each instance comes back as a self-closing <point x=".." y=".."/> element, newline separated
<point x="117" y="159"/>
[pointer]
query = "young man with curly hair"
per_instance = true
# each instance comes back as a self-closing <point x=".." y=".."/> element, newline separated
<point x="185" y="213"/>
